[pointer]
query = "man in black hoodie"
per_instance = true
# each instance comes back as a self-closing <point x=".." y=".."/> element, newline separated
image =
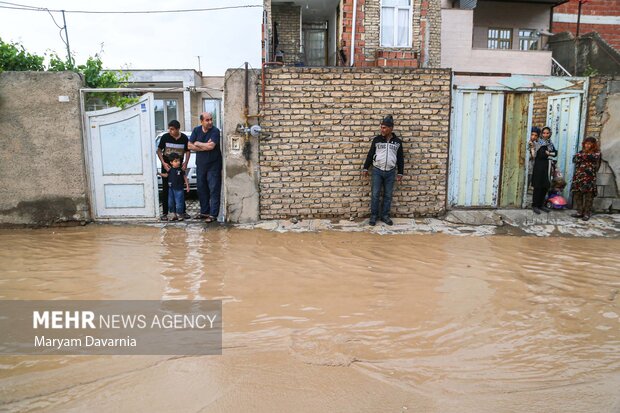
<point x="387" y="160"/>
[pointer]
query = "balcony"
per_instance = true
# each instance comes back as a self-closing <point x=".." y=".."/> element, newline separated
<point x="461" y="41"/>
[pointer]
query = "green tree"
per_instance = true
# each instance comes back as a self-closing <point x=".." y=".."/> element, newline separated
<point x="95" y="77"/>
<point x="13" y="56"/>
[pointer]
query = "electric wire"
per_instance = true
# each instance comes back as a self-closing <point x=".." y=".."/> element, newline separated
<point x="16" y="6"/>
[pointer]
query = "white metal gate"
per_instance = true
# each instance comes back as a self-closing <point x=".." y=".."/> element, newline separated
<point x="475" y="148"/>
<point x="564" y="118"/>
<point x="120" y="153"/>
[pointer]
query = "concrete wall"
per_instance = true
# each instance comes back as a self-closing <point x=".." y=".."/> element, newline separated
<point x="322" y="121"/>
<point x="603" y="124"/>
<point x="458" y="52"/>
<point x="42" y="173"/>
<point x="588" y="54"/>
<point x="241" y="169"/>
<point x="514" y="16"/>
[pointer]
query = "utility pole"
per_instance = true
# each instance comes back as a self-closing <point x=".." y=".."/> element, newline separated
<point x="67" y="37"/>
<point x="199" y="69"/>
<point x="578" y="18"/>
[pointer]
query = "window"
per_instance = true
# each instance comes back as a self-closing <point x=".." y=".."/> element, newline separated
<point x="528" y="39"/>
<point x="213" y="106"/>
<point x="499" y="38"/>
<point x="396" y="23"/>
<point x="165" y="111"/>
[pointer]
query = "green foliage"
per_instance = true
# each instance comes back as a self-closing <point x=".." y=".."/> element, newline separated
<point x="590" y="71"/>
<point x="14" y="57"/>
<point x="95" y="77"/>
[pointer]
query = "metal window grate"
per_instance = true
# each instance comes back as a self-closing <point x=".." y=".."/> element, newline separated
<point x="498" y="38"/>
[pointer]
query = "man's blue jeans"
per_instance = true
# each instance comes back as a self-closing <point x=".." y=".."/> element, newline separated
<point x="176" y="201"/>
<point x="209" y="184"/>
<point x="382" y="180"/>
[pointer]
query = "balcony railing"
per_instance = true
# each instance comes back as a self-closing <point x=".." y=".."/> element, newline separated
<point x="557" y="69"/>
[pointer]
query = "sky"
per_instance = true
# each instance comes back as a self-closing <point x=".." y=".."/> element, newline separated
<point x="222" y="38"/>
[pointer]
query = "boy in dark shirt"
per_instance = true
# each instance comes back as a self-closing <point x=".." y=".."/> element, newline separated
<point x="172" y="142"/>
<point x="176" y="181"/>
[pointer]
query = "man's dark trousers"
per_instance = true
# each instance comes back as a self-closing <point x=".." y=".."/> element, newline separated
<point x="382" y="180"/>
<point x="209" y="184"/>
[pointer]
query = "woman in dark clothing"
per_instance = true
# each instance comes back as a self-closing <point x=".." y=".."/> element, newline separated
<point x="542" y="150"/>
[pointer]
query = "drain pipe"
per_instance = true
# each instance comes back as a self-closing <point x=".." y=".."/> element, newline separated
<point x="352" y="59"/>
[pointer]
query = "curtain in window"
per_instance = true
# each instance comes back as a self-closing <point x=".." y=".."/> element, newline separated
<point x="403" y="28"/>
<point x="387" y="29"/>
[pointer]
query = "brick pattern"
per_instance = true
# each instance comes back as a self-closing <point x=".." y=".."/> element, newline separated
<point x="267" y="33"/>
<point x="607" y="187"/>
<point x="322" y="121"/>
<point x="288" y="18"/>
<point x="539" y="115"/>
<point x="433" y="18"/>
<point x="610" y="33"/>
<point x="426" y="22"/>
<point x="594" y="121"/>
<point x="402" y="58"/>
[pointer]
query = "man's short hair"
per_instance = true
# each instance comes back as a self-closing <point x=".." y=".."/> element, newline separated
<point x="202" y="116"/>
<point x="174" y="124"/>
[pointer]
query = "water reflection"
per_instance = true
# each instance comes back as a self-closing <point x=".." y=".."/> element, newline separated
<point x="453" y="323"/>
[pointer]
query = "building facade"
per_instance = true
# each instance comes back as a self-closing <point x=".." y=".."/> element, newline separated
<point x="601" y="16"/>
<point x="361" y="33"/>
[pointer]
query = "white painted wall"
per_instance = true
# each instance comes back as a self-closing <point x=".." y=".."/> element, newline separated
<point x="457" y="51"/>
<point x="508" y="15"/>
<point x="456" y="45"/>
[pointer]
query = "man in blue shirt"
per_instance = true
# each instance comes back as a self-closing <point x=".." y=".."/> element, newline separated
<point x="205" y="141"/>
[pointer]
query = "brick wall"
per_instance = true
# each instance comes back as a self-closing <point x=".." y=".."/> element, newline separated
<point x="596" y="91"/>
<point x="287" y="17"/>
<point x="609" y="32"/>
<point x="539" y="113"/>
<point x="425" y="49"/>
<point x="322" y="121"/>
<point x="595" y="120"/>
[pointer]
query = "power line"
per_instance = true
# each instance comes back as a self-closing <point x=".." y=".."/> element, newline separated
<point x="16" y="6"/>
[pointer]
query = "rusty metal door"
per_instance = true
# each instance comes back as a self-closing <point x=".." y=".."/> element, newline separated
<point x="517" y="119"/>
<point x="475" y="148"/>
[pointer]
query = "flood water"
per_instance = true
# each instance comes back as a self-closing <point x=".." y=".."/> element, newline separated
<point x="332" y="321"/>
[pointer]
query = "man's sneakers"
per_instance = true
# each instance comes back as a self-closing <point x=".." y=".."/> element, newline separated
<point x="373" y="221"/>
<point x="387" y="221"/>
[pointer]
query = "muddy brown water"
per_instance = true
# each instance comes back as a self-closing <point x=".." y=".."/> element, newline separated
<point x="331" y="322"/>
